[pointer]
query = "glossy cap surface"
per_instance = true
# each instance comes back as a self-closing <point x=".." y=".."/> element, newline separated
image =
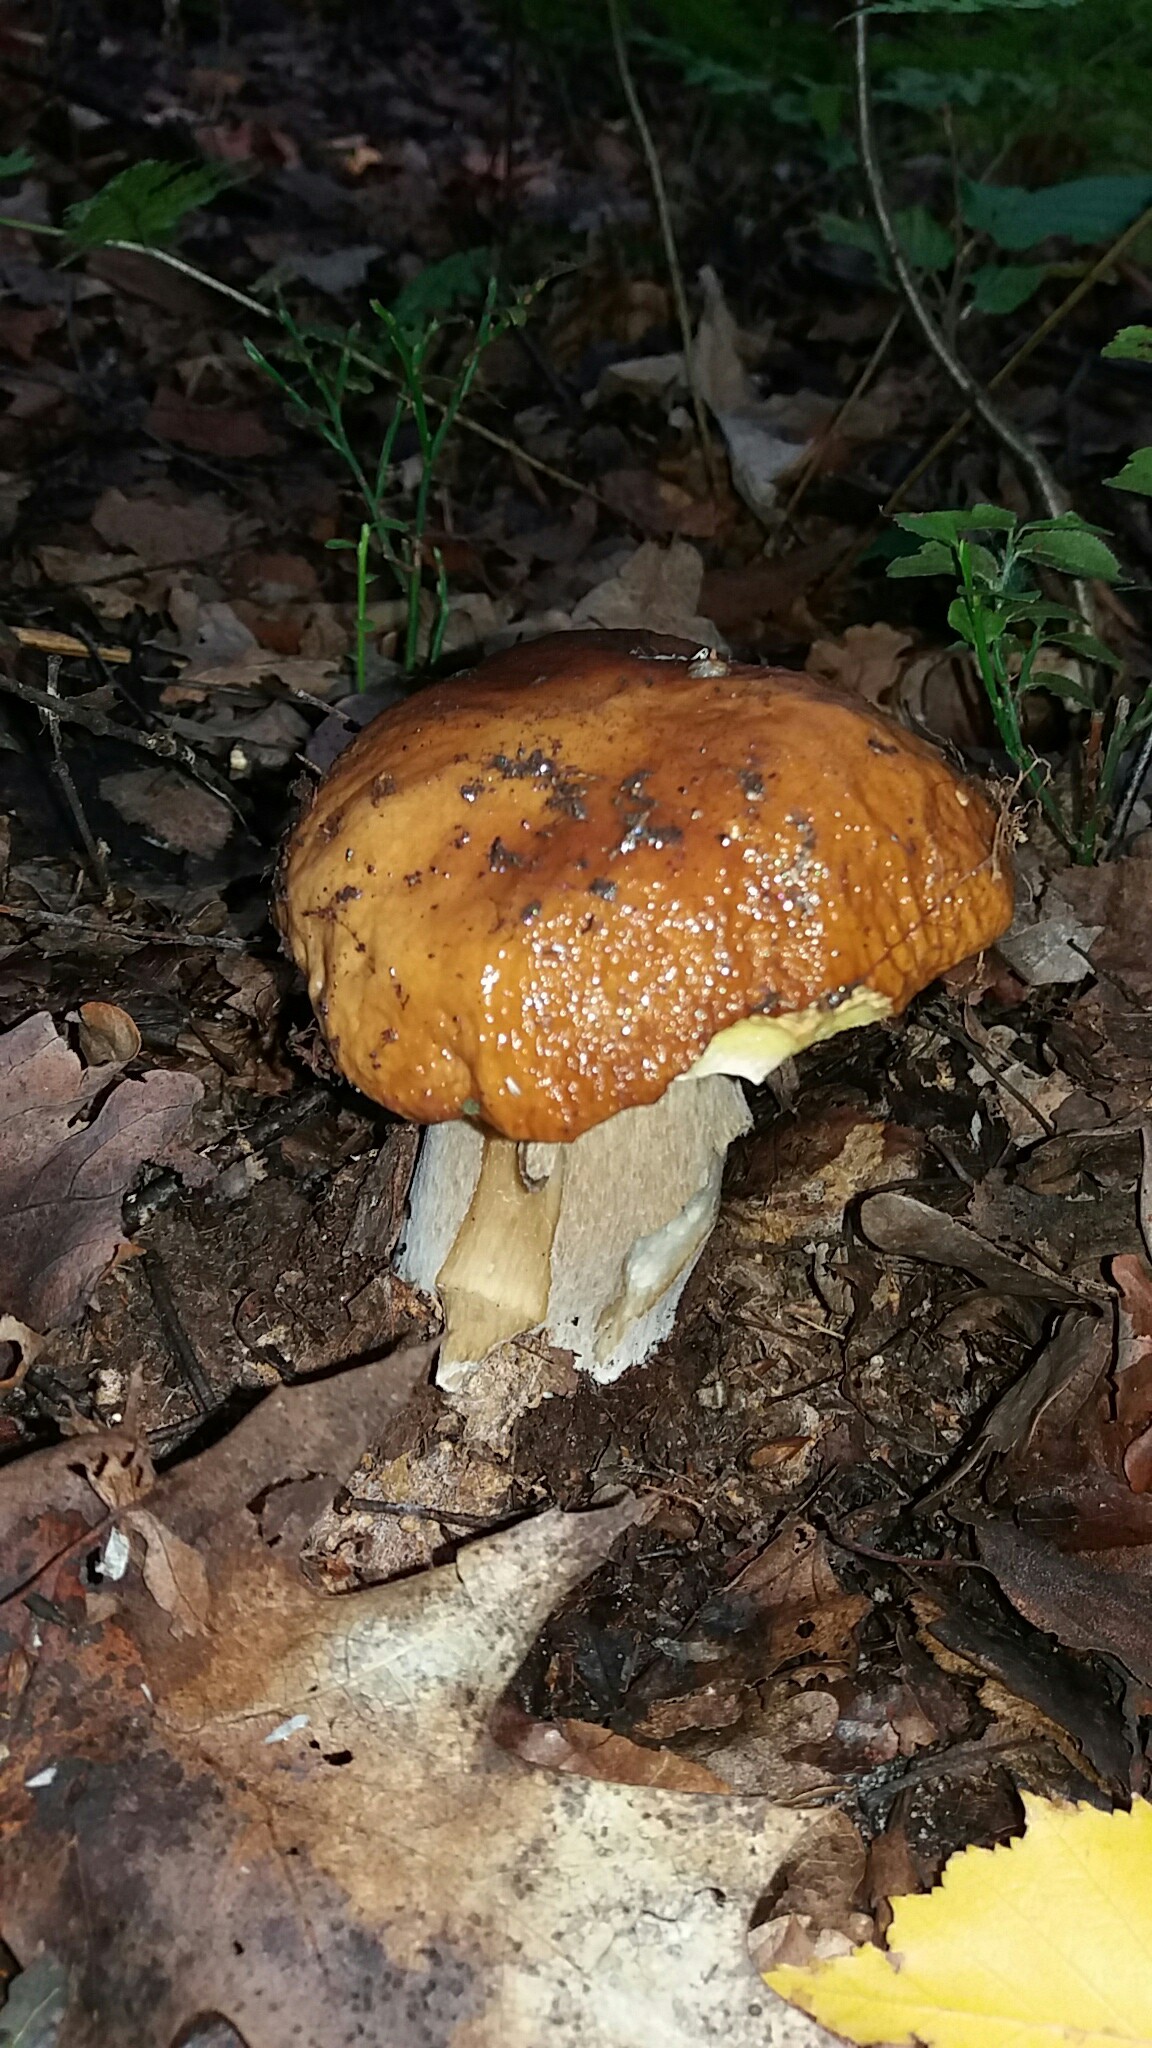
<point x="537" y="892"/>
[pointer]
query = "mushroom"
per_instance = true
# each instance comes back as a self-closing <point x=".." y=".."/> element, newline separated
<point x="559" y="908"/>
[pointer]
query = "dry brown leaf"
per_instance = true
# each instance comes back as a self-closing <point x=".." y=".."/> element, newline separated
<point x="169" y="808"/>
<point x="300" y="1821"/>
<point x="62" y="1179"/>
<point x="589" y="1751"/>
<point x="659" y="588"/>
<point x="209" y="429"/>
<point x="866" y="660"/>
<point x="191" y="530"/>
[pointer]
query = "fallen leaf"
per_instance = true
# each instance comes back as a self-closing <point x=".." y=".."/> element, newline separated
<point x="301" y="1822"/>
<point x="644" y="377"/>
<point x="307" y="675"/>
<point x="658" y="588"/>
<point x="169" y="808"/>
<point x="589" y="1751"/>
<point x="1085" y="1606"/>
<point x="1114" y="897"/>
<point x="62" y="1179"/>
<point x="209" y="429"/>
<point x="158" y="532"/>
<point x="866" y="660"/>
<point x="1043" y="1940"/>
<point x="912" y="1229"/>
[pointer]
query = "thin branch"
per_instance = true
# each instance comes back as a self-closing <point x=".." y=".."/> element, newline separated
<point x="263" y="312"/>
<point x="1024" y="453"/>
<point x="93" y="851"/>
<point x="165" y="745"/>
<point x="811" y="461"/>
<point x="1020" y="355"/>
<point x="667" y="233"/>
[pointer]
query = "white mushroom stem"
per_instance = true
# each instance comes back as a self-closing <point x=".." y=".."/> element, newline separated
<point x="590" y="1244"/>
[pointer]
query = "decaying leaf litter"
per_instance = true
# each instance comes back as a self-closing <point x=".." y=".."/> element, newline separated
<point x="889" y="1570"/>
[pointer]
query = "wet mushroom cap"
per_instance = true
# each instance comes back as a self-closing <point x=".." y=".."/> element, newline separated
<point x="537" y="893"/>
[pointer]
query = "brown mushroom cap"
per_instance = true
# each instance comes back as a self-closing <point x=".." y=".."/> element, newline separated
<point x="535" y="894"/>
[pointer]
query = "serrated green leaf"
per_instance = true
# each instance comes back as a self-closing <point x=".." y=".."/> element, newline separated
<point x="1069" y="688"/>
<point x="1087" y="645"/>
<point x="934" y="559"/>
<point x="146" y="203"/>
<point x="16" y="163"/>
<point x="1065" y="522"/>
<point x="1084" y="211"/>
<point x="1136" y="474"/>
<point x="990" y="519"/>
<point x="960" y="620"/>
<point x="1131" y="345"/>
<point x="1073" y="550"/>
<point x="983" y="563"/>
<point x="946" y="526"/>
<point x="1003" y="287"/>
<point x="459" y="280"/>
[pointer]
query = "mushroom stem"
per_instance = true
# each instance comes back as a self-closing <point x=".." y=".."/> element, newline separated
<point x="590" y="1244"/>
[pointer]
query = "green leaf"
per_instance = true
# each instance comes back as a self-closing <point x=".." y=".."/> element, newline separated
<point x="1132" y="345"/>
<point x="1069" y="688"/>
<point x="145" y="203"/>
<point x="459" y="280"/>
<point x="965" y="6"/>
<point x="952" y="526"/>
<point x="1136" y="474"/>
<point x="16" y="163"/>
<point x="960" y="621"/>
<point x="934" y="559"/>
<point x="983" y="562"/>
<point x="1087" y="645"/>
<point x="927" y="245"/>
<point x="1085" y="211"/>
<point x="1073" y="550"/>
<point x="1002" y="287"/>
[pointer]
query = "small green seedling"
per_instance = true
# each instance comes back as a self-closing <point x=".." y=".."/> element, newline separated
<point x="1004" y="615"/>
<point x="321" y="373"/>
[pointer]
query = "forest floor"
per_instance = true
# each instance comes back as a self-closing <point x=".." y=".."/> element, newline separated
<point x="894" y="1561"/>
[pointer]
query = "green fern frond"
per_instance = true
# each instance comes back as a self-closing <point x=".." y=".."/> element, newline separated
<point x="16" y="163"/>
<point x="145" y="203"/>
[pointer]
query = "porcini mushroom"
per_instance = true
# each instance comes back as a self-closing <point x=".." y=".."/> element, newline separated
<point x="556" y="909"/>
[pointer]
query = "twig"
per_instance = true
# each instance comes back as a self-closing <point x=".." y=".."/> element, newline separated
<point x="165" y="745"/>
<point x="811" y="461"/>
<point x="180" y="1345"/>
<point x="1025" y="454"/>
<point x="667" y="234"/>
<point x="160" y="1189"/>
<point x="46" y="641"/>
<point x="136" y="935"/>
<point x="1132" y="788"/>
<point x="62" y="775"/>
<point x="1020" y="355"/>
<point x="262" y="312"/>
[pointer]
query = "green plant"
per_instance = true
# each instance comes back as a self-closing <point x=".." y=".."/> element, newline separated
<point x="1003" y="614"/>
<point x="1133" y="344"/>
<point x="325" y="369"/>
<point x="322" y="373"/>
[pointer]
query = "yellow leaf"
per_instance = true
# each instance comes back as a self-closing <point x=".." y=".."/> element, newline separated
<point x="1044" y="1942"/>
